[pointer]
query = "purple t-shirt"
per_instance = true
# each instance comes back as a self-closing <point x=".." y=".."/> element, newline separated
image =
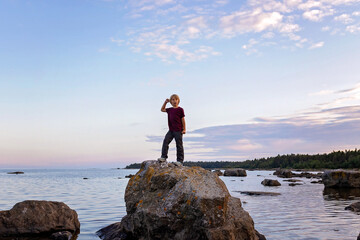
<point x="174" y="119"/>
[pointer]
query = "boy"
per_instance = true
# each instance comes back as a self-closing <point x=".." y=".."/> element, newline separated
<point x="176" y="122"/>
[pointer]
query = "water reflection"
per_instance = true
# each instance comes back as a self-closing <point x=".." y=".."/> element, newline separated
<point x="331" y="194"/>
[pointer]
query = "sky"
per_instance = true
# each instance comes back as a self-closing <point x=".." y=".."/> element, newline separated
<point x="82" y="81"/>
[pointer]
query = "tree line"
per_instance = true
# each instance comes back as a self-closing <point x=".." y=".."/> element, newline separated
<point x="336" y="159"/>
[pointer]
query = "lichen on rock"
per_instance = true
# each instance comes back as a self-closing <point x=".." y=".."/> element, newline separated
<point x="165" y="201"/>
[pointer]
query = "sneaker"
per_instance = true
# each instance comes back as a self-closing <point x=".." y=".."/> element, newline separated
<point x="161" y="160"/>
<point x="179" y="164"/>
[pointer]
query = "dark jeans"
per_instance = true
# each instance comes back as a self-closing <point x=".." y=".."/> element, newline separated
<point x="179" y="145"/>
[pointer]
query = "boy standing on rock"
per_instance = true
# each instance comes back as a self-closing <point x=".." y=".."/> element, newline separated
<point x="176" y="122"/>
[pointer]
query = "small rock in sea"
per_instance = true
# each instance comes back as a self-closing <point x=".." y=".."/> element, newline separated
<point x="283" y="173"/>
<point x="85" y="178"/>
<point x="129" y="176"/>
<point x="316" y="181"/>
<point x="292" y="180"/>
<point x="270" y="182"/>
<point x="294" y="184"/>
<point x="235" y="172"/>
<point x="15" y="173"/>
<point x="354" y="207"/>
<point x="119" y="177"/>
<point x="256" y="193"/>
<point x="65" y="235"/>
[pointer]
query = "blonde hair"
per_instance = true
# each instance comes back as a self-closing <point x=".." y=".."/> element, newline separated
<point x="175" y="96"/>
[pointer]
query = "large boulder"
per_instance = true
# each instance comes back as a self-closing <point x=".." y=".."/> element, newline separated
<point x="165" y="201"/>
<point x="235" y="172"/>
<point x="341" y="179"/>
<point x="36" y="218"/>
<point x="270" y="182"/>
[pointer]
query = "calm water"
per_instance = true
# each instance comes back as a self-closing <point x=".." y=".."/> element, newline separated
<point x="300" y="212"/>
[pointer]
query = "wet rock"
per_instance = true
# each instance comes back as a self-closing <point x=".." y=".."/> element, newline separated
<point x="178" y="202"/>
<point x="235" y="172"/>
<point x="65" y="235"/>
<point x="308" y="175"/>
<point x="283" y="173"/>
<point x="270" y="182"/>
<point x="354" y="207"/>
<point x="256" y="193"/>
<point x="15" y="173"/>
<point x="292" y="180"/>
<point x="218" y="172"/>
<point x="129" y="176"/>
<point x="38" y="218"/>
<point x="320" y="181"/>
<point x="341" y="179"/>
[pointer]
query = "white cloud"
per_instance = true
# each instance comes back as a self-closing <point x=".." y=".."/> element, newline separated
<point x="344" y="18"/>
<point x="268" y="35"/>
<point x="317" y="15"/>
<point x="119" y="42"/>
<point x="184" y="26"/>
<point x="317" y="45"/>
<point x="325" y="29"/>
<point x="250" y="21"/>
<point x="353" y="28"/>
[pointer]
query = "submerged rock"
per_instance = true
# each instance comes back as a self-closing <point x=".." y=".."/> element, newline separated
<point x="164" y="201"/>
<point x="270" y="182"/>
<point x="341" y="179"/>
<point x="33" y="218"/>
<point x="235" y="172"/>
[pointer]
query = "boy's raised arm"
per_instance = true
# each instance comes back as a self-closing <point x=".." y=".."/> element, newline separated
<point x="163" y="108"/>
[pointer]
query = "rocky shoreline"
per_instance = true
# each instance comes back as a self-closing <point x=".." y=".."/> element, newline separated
<point x="168" y="201"/>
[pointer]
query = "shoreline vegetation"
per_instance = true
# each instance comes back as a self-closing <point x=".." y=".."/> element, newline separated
<point x="348" y="159"/>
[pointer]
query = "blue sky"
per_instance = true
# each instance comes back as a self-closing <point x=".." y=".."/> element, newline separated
<point x="82" y="82"/>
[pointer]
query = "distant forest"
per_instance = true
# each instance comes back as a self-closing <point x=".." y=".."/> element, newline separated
<point x="340" y="159"/>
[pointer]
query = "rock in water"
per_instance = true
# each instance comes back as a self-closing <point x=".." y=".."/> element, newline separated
<point x="32" y="217"/>
<point x="341" y="179"/>
<point x="235" y="172"/>
<point x="354" y="207"/>
<point x="283" y="173"/>
<point x="270" y="182"/>
<point x="178" y="203"/>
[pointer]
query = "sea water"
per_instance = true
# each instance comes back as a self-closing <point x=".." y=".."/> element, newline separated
<point x="300" y="212"/>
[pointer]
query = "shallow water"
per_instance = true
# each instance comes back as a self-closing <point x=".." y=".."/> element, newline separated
<point x="300" y="212"/>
